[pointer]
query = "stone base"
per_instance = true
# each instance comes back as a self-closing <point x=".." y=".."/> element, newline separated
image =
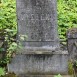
<point x="44" y="64"/>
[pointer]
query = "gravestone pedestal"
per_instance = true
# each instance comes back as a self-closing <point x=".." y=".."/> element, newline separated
<point x="37" y="19"/>
<point x="41" y="54"/>
<point x="39" y="64"/>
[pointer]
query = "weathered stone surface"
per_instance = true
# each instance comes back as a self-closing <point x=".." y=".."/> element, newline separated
<point x="38" y="20"/>
<point x="39" y="64"/>
<point x="72" y="33"/>
<point x="72" y="42"/>
<point x="40" y="50"/>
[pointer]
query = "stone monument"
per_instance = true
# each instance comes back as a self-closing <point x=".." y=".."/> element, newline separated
<point x="41" y="54"/>
<point x="37" y="19"/>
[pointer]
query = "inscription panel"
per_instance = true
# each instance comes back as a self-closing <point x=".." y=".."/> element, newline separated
<point x="37" y="19"/>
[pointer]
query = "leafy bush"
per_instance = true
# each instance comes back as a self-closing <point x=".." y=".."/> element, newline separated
<point x="10" y="75"/>
<point x="70" y="67"/>
<point x="67" y="16"/>
<point x="58" y="75"/>
<point x="8" y="23"/>
<point x="2" y="71"/>
<point x="8" y="14"/>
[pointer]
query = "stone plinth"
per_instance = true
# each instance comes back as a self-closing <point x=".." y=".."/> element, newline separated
<point x="40" y="64"/>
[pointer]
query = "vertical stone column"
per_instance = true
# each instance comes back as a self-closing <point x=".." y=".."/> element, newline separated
<point x="37" y="19"/>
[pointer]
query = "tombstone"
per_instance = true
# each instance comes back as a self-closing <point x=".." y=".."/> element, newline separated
<point x="41" y="54"/>
<point x="38" y="21"/>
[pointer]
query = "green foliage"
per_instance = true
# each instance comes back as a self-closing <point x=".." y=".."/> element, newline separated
<point x="70" y="68"/>
<point x="58" y="75"/>
<point x="67" y="16"/>
<point x="8" y="14"/>
<point x="9" y="24"/>
<point x="2" y="71"/>
<point x="9" y="75"/>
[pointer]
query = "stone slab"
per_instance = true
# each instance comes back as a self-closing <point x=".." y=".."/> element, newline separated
<point x="37" y="19"/>
<point x="40" y="50"/>
<point x="39" y="64"/>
